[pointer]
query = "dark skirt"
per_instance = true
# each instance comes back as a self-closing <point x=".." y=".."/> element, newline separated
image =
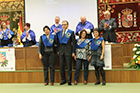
<point x="95" y="58"/>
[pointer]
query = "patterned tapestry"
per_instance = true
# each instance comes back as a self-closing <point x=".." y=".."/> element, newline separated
<point x="127" y="14"/>
<point x="10" y="10"/>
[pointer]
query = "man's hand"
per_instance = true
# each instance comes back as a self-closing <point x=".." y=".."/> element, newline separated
<point x="40" y="56"/>
<point x="58" y="29"/>
<point x="55" y="30"/>
<point x="105" y="25"/>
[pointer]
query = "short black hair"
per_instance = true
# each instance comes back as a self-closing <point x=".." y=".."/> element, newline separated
<point x="82" y="32"/>
<point x="66" y="22"/>
<point x="45" y="27"/>
<point x="97" y="29"/>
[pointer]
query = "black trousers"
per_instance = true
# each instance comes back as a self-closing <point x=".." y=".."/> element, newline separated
<point x="48" y="60"/>
<point x="68" y="59"/>
<point x="6" y="42"/>
<point x="27" y="44"/>
<point x="102" y="72"/>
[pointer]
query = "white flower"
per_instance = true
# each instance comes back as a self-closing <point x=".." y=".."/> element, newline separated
<point x="136" y="61"/>
<point x="138" y="57"/>
<point x="134" y="49"/>
<point x="136" y="45"/>
<point x="137" y="52"/>
<point x="134" y="56"/>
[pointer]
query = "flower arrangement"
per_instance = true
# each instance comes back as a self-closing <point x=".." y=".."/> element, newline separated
<point x="135" y="61"/>
<point x="4" y="63"/>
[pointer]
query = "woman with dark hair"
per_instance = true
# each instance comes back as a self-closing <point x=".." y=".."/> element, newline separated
<point x="6" y="36"/>
<point x="28" y="36"/>
<point x="97" y="56"/>
<point x="83" y="54"/>
<point x="47" y="53"/>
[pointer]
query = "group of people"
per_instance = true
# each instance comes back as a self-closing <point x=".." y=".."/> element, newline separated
<point x="85" y="49"/>
<point x="6" y="36"/>
<point x="82" y="50"/>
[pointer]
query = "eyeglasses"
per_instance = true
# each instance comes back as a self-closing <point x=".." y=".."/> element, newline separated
<point x="64" y="24"/>
<point x="46" y="30"/>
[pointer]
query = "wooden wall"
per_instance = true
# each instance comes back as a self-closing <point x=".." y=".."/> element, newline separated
<point x="29" y="67"/>
<point x="27" y="58"/>
<point x="121" y="53"/>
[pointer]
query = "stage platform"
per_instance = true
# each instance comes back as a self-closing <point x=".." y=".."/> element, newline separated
<point x="36" y="76"/>
<point x="29" y="67"/>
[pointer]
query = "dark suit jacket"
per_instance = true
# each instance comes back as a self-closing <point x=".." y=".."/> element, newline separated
<point x="68" y="48"/>
<point x="41" y="47"/>
<point x="109" y="33"/>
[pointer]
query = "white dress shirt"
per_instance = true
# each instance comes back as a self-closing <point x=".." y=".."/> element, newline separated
<point x="56" y="25"/>
<point x="87" y="30"/>
<point x="65" y="32"/>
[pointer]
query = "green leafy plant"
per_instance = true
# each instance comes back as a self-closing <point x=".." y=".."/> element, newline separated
<point x="4" y="64"/>
<point x="135" y="61"/>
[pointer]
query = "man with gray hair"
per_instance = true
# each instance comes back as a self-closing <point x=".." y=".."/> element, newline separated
<point x="85" y="25"/>
<point x="108" y="26"/>
<point x="56" y="26"/>
<point x="66" y="48"/>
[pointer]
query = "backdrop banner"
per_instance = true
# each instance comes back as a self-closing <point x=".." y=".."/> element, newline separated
<point x="7" y="59"/>
<point x="126" y="13"/>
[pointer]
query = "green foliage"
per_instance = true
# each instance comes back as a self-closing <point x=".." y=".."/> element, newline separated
<point x="4" y="64"/>
<point x="135" y="61"/>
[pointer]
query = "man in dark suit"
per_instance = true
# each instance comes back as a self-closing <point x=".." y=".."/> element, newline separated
<point x="108" y="26"/>
<point x="66" y="48"/>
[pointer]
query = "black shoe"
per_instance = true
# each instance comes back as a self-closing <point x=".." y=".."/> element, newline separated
<point x="97" y="77"/>
<point x="97" y="83"/>
<point x="69" y="84"/>
<point x="103" y="83"/>
<point x="62" y="83"/>
<point x="103" y="76"/>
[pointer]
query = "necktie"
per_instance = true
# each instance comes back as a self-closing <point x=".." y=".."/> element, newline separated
<point x="63" y="33"/>
<point x="107" y="21"/>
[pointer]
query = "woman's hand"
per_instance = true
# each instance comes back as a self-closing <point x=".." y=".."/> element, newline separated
<point x="40" y="56"/>
<point x="8" y="32"/>
<point x="101" y="58"/>
<point x="89" y="58"/>
<point x="58" y="53"/>
<point x="73" y="54"/>
<point x="75" y="58"/>
<point x="27" y="34"/>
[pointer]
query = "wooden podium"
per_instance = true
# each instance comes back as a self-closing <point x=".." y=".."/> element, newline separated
<point x="29" y="67"/>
